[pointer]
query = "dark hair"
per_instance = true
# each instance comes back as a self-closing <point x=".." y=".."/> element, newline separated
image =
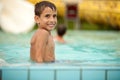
<point x="40" y="6"/>
<point x="61" y="29"/>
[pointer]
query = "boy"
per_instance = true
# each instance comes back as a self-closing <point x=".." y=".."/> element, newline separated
<point x="42" y="44"/>
<point x="61" y="31"/>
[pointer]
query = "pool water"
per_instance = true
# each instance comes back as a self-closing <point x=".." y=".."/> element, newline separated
<point x="82" y="47"/>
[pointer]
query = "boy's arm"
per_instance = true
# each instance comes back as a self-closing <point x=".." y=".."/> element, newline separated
<point x="42" y="38"/>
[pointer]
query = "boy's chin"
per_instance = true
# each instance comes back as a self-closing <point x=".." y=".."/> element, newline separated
<point x="51" y="29"/>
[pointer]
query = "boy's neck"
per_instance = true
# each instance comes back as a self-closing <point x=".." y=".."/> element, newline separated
<point x="45" y="29"/>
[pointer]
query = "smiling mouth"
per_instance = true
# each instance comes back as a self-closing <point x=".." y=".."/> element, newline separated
<point x="51" y="25"/>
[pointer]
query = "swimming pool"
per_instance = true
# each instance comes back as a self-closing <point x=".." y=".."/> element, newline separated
<point x="83" y="47"/>
<point x="85" y="52"/>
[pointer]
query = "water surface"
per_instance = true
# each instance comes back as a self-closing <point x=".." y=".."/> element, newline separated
<point x="83" y="47"/>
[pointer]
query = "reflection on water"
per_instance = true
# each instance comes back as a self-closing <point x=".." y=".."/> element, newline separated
<point x="83" y="47"/>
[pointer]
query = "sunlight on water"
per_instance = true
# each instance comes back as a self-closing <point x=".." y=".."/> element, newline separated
<point x="84" y="47"/>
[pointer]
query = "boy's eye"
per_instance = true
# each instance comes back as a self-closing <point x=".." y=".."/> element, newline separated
<point x="47" y="15"/>
<point x="55" y="16"/>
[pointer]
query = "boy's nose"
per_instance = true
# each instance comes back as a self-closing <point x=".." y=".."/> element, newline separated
<point x="52" y="19"/>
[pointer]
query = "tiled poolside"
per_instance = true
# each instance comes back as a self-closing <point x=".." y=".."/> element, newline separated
<point x="60" y="72"/>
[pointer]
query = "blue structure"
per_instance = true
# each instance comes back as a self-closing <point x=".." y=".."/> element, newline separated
<point x="60" y="72"/>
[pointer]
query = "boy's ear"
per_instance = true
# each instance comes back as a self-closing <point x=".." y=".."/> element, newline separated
<point x="36" y="19"/>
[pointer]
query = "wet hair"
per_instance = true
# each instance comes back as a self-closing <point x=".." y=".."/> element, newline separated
<point x="40" y="6"/>
<point x="61" y="29"/>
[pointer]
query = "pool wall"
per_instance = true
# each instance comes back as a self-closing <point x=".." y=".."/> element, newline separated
<point x="60" y="73"/>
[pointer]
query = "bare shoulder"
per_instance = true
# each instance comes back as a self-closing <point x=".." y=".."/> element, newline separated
<point x="42" y="35"/>
<point x="43" y="32"/>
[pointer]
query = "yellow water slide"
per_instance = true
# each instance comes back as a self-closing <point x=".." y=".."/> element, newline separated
<point x="104" y="12"/>
<point x="95" y="11"/>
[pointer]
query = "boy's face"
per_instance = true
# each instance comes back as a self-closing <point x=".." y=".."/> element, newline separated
<point x="47" y="19"/>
